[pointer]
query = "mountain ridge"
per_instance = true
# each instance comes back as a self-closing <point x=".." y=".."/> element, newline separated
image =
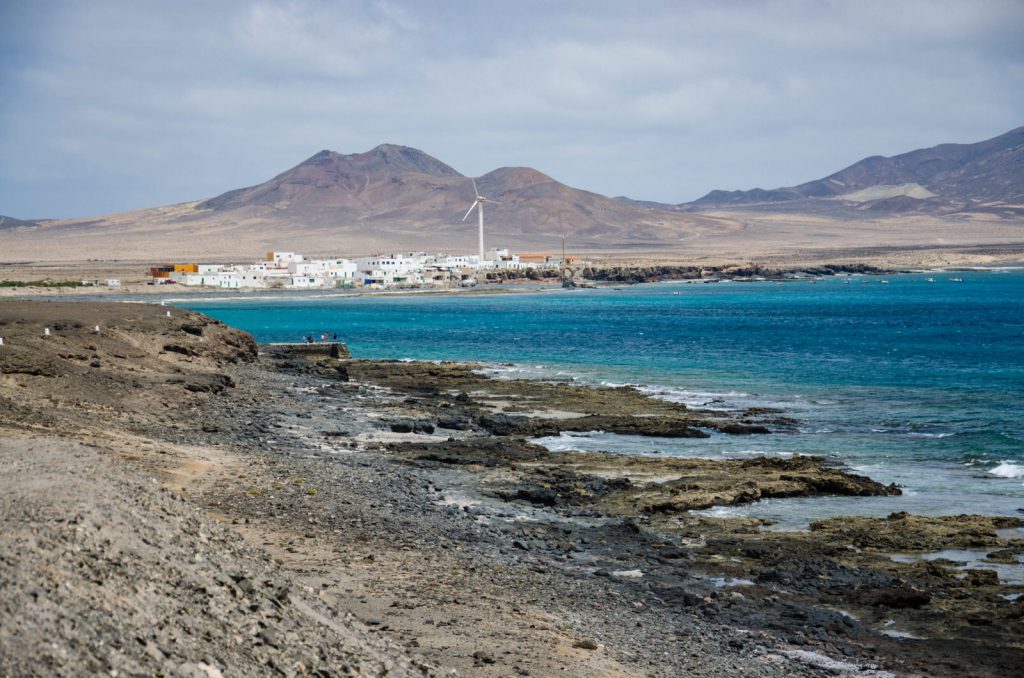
<point x="329" y="169"/>
<point x="390" y="198"/>
<point x="398" y="198"/>
<point x="399" y="189"/>
<point x="10" y="223"/>
<point x="947" y="177"/>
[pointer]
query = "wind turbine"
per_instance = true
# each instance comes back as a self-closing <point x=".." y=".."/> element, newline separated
<point x="478" y="205"/>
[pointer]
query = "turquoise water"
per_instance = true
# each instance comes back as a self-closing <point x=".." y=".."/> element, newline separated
<point x="915" y="382"/>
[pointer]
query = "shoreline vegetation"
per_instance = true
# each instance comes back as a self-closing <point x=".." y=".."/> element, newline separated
<point x="181" y="501"/>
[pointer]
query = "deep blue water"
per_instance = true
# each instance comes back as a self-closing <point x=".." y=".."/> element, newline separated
<point x="916" y="382"/>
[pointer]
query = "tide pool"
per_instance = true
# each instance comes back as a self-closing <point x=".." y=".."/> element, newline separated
<point x="908" y="381"/>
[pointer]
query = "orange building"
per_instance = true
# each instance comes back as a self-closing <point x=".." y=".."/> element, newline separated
<point x="166" y="270"/>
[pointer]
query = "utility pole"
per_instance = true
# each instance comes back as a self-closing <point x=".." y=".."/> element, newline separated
<point x="566" y="274"/>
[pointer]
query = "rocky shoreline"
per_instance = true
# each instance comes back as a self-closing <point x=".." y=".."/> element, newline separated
<point x="417" y="529"/>
<point x="28" y="281"/>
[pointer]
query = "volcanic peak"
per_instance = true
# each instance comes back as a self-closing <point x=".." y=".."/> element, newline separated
<point x="388" y="158"/>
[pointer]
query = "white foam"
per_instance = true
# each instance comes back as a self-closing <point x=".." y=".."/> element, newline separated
<point x="836" y="667"/>
<point x="708" y="400"/>
<point x="1008" y="469"/>
<point x="508" y="371"/>
<point x="724" y="582"/>
<point x="633" y="574"/>
<point x="617" y="384"/>
<point x="458" y="500"/>
<point x="900" y="634"/>
<point x="757" y="453"/>
<point x="719" y="512"/>
<point x="601" y="441"/>
<point x="572" y="441"/>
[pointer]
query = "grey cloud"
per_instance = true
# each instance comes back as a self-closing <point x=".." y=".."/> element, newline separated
<point x="113" y="104"/>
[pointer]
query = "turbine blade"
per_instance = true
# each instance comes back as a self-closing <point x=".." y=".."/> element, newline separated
<point x="493" y="202"/>
<point x="475" y="191"/>
<point x="470" y="210"/>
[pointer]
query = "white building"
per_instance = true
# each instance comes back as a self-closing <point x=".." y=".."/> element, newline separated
<point x="225" y="278"/>
<point x="336" y="272"/>
<point x="305" y="281"/>
<point x="342" y="271"/>
<point x="312" y="267"/>
<point x="455" y="262"/>
<point x="290" y="269"/>
<point x="267" y="270"/>
<point x="391" y="269"/>
<point x="283" y="258"/>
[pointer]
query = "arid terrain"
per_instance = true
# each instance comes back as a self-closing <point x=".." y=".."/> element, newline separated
<point x="947" y="205"/>
<point x="182" y="502"/>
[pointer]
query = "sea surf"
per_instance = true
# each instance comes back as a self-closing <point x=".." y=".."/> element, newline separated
<point x="915" y="382"/>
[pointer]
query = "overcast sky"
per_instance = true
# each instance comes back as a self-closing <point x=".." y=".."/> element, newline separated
<point x="110" y="105"/>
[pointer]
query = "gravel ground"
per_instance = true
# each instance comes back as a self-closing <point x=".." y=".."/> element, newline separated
<point x="106" y="572"/>
<point x="173" y="504"/>
<point x="467" y="581"/>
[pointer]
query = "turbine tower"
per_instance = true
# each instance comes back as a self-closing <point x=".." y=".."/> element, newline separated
<point x="478" y="205"/>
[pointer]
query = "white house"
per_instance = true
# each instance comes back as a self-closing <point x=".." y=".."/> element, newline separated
<point x="342" y="271"/>
<point x="452" y="262"/>
<point x="245" y="277"/>
<point x="312" y="267"/>
<point x="305" y="281"/>
<point x="388" y="269"/>
<point x="284" y="258"/>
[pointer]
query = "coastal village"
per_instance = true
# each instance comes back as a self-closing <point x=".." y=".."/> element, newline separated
<point x="380" y="271"/>
<point x="396" y="339"/>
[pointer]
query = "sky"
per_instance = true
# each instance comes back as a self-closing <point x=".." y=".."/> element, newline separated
<point x="113" y="105"/>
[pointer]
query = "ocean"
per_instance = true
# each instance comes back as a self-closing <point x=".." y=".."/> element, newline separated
<point x="917" y="380"/>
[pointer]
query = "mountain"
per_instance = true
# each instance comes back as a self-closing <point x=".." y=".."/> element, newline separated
<point x="987" y="176"/>
<point x="390" y="198"/>
<point x="930" y="202"/>
<point x="417" y="199"/>
<point x="329" y="179"/>
<point x="10" y="223"/>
